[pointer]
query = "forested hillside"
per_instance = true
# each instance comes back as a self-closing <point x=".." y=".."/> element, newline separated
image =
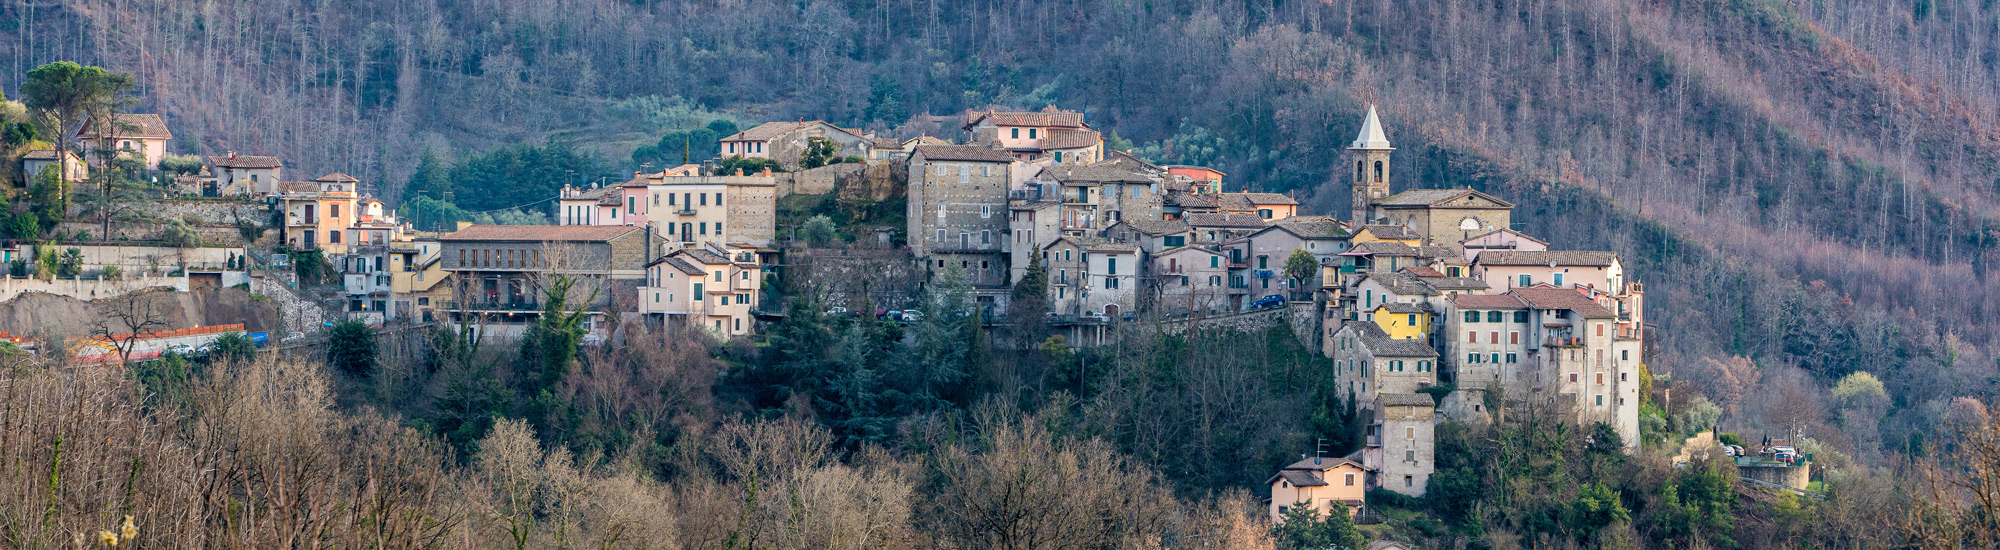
<point x="1808" y="189"/>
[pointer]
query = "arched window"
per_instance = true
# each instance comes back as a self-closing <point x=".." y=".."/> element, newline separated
<point x="1359" y="174"/>
<point x="1378" y="171"/>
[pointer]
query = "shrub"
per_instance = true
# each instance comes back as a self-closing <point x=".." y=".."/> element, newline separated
<point x="110" y="272"/>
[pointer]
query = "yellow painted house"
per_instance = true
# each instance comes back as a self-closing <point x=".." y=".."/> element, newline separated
<point x="1404" y="321"/>
<point x="1322" y="484"/>
<point x="1386" y="233"/>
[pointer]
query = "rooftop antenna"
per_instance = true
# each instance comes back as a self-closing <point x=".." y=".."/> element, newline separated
<point x="1319" y="449"/>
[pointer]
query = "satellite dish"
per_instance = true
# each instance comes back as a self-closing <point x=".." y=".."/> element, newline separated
<point x="1468" y="224"/>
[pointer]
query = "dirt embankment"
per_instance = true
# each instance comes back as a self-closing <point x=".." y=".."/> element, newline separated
<point x="40" y="313"/>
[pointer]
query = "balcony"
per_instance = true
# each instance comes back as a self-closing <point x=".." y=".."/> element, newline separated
<point x="1236" y="264"/>
<point x="1557" y="342"/>
<point x="684" y="211"/>
<point x="493" y="305"/>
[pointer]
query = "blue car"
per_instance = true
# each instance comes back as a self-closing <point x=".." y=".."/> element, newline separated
<point x="1268" y="301"/>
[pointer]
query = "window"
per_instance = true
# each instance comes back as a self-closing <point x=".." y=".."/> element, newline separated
<point x="697" y="289"/>
<point x="1350" y="480"/>
<point x="1493" y="337"/>
<point x="670" y="227"/>
<point x="1625" y="355"/>
<point x="1110" y="282"/>
<point x="333" y="236"/>
<point x="1521" y="316"/>
<point x="1513" y="337"/>
<point x="1214" y="280"/>
<point x="1471" y="316"/>
<point x="656" y="199"/>
<point x="1600" y="400"/>
<point x="1214" y="261"/>
<point x="1031" y="133"/>
<point x="1559" y="279"/>
<point x="985" y="236"/>
<point x="1572" y="377"/>
<point x="940" y="235"/>
<point x="1472" y="358"/>
<point x="1523" y="280"/>
<point x="1413" y="319"/>
<point x="1496" y="358"/>
<point x="704" y="228"/>
<point x="1263" y="262"/>
<point x="1264" y="213"/>
<point x="985" y="170"/>
<point x="704" y="199"/>
<point x="1174" y="240"/>
<point x="1016" y="133"/>
<point x="631" y="205"/>
<point x="985" y="211"/>
<point x="1494" y="317"/>
<point x="1058" y="153"/>
<point x="1624" y="377"/>
<point x="1600" y="378"/>
<point x="670" y="199"/>
<point x="1409" y="432"/>
<point x="1409" y="456"/>
<point x="1111" y="266"/>
<point x="1408" y="481"/>
<point x="1472" y="337"/>
<point x="1511" y="358"/>
<point x="718" y="275"/>
<point x="1600" y="328"/>
<point x="1359" y="175"/>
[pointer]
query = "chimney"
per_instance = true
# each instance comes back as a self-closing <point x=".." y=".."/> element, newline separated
<point x="767" y="171"/>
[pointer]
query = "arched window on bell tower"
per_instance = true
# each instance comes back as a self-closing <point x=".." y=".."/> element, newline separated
<point x="1359" y="174"/>
<point x="1378" y="171"/>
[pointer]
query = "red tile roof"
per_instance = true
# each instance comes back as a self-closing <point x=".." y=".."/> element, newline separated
<point x="1545" y="297"/>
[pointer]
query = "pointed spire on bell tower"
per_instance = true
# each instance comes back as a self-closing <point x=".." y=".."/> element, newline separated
<point x="1370" y="154"/>
<point x="1371" y="134"/>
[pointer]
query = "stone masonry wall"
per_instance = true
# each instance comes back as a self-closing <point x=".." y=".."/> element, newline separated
<point x="856" y="278"/>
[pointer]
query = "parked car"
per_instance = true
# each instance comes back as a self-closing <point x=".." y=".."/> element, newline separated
<point x="180" y="349"/>
<point x="884" y="313"/>
<point x="912" y="316"/>
<point x="836" y="310"/>
<point x="1735" y="450"/>
<point x="294" y="337"/>
<point x="1270" y="301"/>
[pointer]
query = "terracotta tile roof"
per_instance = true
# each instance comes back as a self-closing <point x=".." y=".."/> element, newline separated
<point x="1548" y="257"/>
<point x="1381" y="345"/>
<point x="1048" y="117"/>
<point x="537" y="233"/>
<point x="1300" y="478"/>
<point x="1404" y="307"/>
<point x="970" y="153"/>
<point x="1157" y="227"/>
<point x="1205" y="202"/>
<point x="1402" y="285"/>
<point x="1250" y="201"/>
<point x="1405" y="400"/>
<point x="298" y="187"/>
<point x="1456" y="283"/>
<point x="1392" y="232"/>
<point x="45" y="154"/>
<point x="1313" y="227"/>
<point x="1510" y="232"/>
<point x="1224" y="219"/>
<point x="885" y="143"/>
<point x="1546" y="297"/>
<point x="337" y="177"/>
<point x="1324" y="463"/>
<point x="1092" y="173"/>
<point x="1114" y="247"/>
<point x="679" y="265"/>
<point x="768" y="130"/>
<point x="703" y="255"/>
<point x="245" y="161"/>
<point x="131" y="125"/>
<point x="1487" y="301"/>
<point x="1127" y="161"/>
<point x="1427" y="197"/>
<point x="1071" y="139"/>
<point x="1421" y="272"/>
<point x="1381" y="248"/>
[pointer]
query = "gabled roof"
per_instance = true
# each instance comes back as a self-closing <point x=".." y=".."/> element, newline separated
<point x="701" y="255"/>
<point x="1400" y="284"/>
<point x="1071" y="139"/>
<point x="1224" y="219"/>
<point x="1456" y="283"/>
<point x="1404" y="307"/>
<point x="1180" y="249"/>
<point x="1392" y="232"/>
<point x="298" y="187"/>
<point x="1511" y="232"/>
<point x="131" y="125"/>
<point x="1250" y="201"/>
<point x="46" y="154"/>
<point x="1092" y="173"/>
<point x="1311" y="227"/>
<point x="1405" y="400"/>
<point x="1157" y="227"/>
<point x="678" y="264"/>
<point x="1381" y="248"/>
<point x="1548" y="297"/>
<point x="1047" y="117"/>
<point x="245" y="161"/>
<point x="1127" y="161"/>
<point x="763" y="133"/>
<point x="1420" y="272"/>
<point x="1487" y="301"/>
<point x="1186" y="201"/>
<point x="1548" y="257"/>
<point x="1322" y="464"/>
<point x="1116" y="248"/>
<point x="1371" y="136"/>
<point x="968" y="153"/>
<point x="540" y="233"/>
<point x="337" y="177"/>
<point x="1430" y="197"/>
<point x="925" y="140"/>
<point x="1299" y="478"/>
<point x="1379" y="343"/>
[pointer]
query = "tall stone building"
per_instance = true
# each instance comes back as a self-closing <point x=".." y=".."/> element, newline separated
<point x="958" y="214"/>
<point x="1440" y="217"/>
<point x="1370" y="153"/>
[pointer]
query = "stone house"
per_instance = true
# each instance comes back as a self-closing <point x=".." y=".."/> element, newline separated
<point x="234" y="174"/>
<point x="141" y="136"/>
<point x="1323" y="484"/>
<point x="716" y="289"/>
<point x="1402" y="443"/>
<point x="1096" y="196"/>
<point x="499" y="272"/>
<point x="1323" y="237"/>
<point x="1266" y="206"/>
<point x="1485" y="339"/>
<point x="1031" y="224"/>
<point x="1191" y="279"/>
<point x="1207" y="181"/>
<point x="958" y="214"/>
<point x="1058" y="135"/>
<point x="1215" y="227"/>
<point x="1152" y="235"/>
<point x="1367" y="362"/>
<point x="33" y="162"/>
<point x="785" y="142"/>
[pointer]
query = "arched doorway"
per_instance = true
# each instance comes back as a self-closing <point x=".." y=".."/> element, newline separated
<point x="1111" y="311"/>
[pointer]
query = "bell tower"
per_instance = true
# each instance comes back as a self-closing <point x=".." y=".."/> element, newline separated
<point x="1370" y="156"/>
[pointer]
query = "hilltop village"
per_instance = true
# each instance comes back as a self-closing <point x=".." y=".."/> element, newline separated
<point x="1430" y="303"/>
